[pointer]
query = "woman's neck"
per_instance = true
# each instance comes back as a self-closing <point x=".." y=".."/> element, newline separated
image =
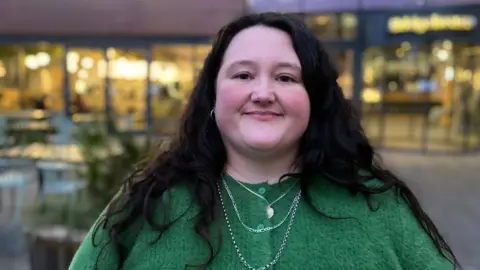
<point x="255" y="171"/>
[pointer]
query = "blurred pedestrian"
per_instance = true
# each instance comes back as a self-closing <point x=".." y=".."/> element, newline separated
<point x="39" y="102"/>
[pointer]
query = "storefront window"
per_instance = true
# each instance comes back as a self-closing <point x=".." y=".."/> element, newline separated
<point x="201" y="54"/>
<point x="173" y="73"/>
<point x="10" y="92"/>
<point x="43" y="81"/>
<point x="87" y="81"/>
<point x="127" y="70"/>
<point x="348" y="24"/>
<point x="413" y="94"/>
<point x="31" y="77"/>
<point x="465" y="99"/>
<point x="344" y="64"/>
<point x="333" y="26"/>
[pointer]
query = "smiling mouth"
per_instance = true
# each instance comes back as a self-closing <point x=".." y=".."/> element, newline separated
<point x="263" y="113"/>
<point x="263" y="116"/>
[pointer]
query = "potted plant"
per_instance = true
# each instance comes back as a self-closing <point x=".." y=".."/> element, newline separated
<point x="109" y="156"/>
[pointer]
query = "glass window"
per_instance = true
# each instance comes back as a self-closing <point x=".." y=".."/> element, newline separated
<point x="10" y="89"/>
<point x="87" y="80"/>
<point x="463" y="97"/>
<point x="173" y="73"/>
<point x="333" y="26"/>
<point x="201" y="53"/>
<point x="127" y="71"/>
<point x="348" y="24"/>
<point x="344" y="63"/>
<point x="43" y="81"/>
<point x="405" y="73"/>
<point x="420" y="95"/>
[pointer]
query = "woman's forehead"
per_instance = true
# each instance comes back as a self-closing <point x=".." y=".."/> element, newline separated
<point x="261" y="44"/>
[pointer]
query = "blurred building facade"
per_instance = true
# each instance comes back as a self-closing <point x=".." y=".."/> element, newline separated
<point x="136" y="58"/>
<point x="413" y="65"/>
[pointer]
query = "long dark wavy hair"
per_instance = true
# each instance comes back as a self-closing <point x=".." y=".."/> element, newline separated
<point x="333" y="145"/>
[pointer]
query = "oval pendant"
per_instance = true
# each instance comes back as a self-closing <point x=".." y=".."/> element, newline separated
<point x="270" y="212"/>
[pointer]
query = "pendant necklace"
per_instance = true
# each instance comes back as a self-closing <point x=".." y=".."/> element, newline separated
<point x="291" y="211"/>
<point x="275" y="259"/>
<point x="269" y="210"/>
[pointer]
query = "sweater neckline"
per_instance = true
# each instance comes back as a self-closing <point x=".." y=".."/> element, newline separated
<point x="264" y="189"/>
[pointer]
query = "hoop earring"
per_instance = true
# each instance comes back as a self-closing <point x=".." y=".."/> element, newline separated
<point x="211" y="114"/>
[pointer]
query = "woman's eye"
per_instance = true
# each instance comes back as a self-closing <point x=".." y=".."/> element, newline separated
<point x="286" y="79"/>
<point x="242" y="76"/>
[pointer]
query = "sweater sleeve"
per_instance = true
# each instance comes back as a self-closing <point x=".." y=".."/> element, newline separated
<point x="103" y="255"/>
<point x="414" y="247"/>
<point x="88" y="253"/>
<point x="97" y="250"/>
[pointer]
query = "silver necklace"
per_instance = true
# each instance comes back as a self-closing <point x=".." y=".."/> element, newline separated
<point x="269" y="209"/>
<point x="266" y="229"/>
<point x="282" y="246"/>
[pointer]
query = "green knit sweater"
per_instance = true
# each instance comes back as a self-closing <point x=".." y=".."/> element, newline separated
<point x="389" y="238"/>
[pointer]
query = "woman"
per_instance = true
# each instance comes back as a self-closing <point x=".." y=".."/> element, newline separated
<point x="270" y="168"/>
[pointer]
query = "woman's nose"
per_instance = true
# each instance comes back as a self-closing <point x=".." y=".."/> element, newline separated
<point x="263" y="92"/>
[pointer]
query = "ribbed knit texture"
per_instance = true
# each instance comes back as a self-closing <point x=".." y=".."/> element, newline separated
<point x="387" y="239"/>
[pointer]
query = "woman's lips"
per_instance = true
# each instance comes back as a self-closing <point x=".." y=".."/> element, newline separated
<point x="263" y="116"/>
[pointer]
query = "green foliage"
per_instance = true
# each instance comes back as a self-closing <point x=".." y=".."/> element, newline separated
<point x="19" y="136"/>
<point x="109" y="156"/>
<point x="58" y="211"/>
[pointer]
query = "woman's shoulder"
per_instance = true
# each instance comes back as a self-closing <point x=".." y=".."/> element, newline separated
<point x="173" y="202"/>
<point x="181" y="203"/>
<point x="387" y="217"/>
<point x="174" y="208"/>
<point x="338" y="200"/>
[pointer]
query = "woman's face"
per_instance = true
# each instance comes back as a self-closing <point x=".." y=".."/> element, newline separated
<point x="261" y="103"/>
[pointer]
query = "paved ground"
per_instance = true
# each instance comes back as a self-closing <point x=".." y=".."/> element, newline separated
<point x="448" y="189"/>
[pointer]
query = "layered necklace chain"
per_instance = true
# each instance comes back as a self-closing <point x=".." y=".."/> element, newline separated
<point x="291" y="213"/>
<point x="266" y="229"/>
<point x="270" y="211"/>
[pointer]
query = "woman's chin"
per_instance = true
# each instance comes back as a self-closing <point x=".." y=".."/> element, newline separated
<point x="262" y="143"/>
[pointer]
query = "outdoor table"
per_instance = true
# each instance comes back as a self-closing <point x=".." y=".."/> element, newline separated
<point x="26" y="115"/>
<point x="37" y="151"/>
